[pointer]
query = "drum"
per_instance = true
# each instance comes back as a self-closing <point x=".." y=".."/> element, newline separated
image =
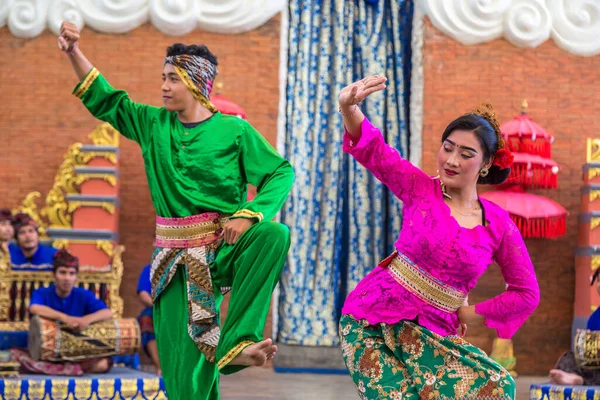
<point x="52" y="341"/>
<point x="587" y="349"/>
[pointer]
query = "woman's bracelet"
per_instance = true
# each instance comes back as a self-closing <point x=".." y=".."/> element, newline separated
<point x="351" y="112"/>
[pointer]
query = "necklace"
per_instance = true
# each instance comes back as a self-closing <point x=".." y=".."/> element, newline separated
<point x="447" y="196"/>
<point x="470" y="214"/>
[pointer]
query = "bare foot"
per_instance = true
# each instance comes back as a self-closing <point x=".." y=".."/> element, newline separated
<point x="256" y="354"/>
<point x="560" y="377"/>
<point x="98" y="366"/>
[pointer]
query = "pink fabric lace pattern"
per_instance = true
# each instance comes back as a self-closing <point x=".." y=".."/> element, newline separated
<point x="434" y="240"/>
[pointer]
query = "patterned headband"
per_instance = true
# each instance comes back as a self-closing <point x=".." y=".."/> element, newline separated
<point x="502" y="157"/>
<point x="21" y="219"/>
<point x="198" y="74"/>
<point x="63" y="258"/>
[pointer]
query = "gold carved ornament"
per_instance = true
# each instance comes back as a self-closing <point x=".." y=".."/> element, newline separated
<point x="593" y="150"/>
<point x="106" y="246"/>
<point x="29" y="207"/>
<point x="593" y="155"/>
<point x="595" y="263"/>
<point x="106" y="206"/>
<point x="81" y="178"/>
<point x="105" y="135"/>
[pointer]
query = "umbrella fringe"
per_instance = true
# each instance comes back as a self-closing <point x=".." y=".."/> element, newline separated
<point x="540" y="147"/>
<point x="549" y="227"/>
<point x="537" y="176"/>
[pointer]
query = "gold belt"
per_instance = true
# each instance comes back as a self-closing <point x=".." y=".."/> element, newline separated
<point x="424" y="286"/>
<point x="194" y="231"/>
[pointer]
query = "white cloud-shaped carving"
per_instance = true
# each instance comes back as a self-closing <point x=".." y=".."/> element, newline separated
<point x="573" y="24"/>
<point x="576" y="25"/>
<point x="28" y="18"/>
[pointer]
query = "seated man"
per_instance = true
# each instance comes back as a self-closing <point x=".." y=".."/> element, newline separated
<point x="6" y="229"/>
<point x="28" y="253"/>
<point x="75" y="307"/>
<point x="145" y="320"/>
<point x="566" y="371"/>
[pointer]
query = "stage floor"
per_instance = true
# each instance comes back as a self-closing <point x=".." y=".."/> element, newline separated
<point x="265" y="384"/>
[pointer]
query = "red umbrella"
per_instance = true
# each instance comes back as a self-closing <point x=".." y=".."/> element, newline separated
<point x="225" y="106"/>
<point x="535" y="216"/>
<point x="533" y="171"/>
<point x="523" y="135"/>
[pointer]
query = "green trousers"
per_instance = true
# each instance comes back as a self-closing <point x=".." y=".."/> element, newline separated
<point x="252" y="267"/>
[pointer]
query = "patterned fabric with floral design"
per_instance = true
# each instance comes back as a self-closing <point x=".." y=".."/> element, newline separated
<point x="31" y="366"/>
<point x="408" y="361"/>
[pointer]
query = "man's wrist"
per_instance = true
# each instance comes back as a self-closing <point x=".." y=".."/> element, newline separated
<point x="73" y="49"/>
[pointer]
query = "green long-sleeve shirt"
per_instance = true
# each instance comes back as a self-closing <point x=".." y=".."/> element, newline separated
<point x="194" y="170"/>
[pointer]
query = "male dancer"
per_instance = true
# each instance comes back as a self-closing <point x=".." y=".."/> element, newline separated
<point x="209" y="239"/>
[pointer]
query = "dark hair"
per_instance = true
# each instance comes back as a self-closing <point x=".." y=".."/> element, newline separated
<point x="20" y="220"/>
<point x="595" y="276"/>
<point x="192" y="50"/>
<point x="63" y="258"/>
<point x="6" y="215"/>
<point x="489" y="142"/>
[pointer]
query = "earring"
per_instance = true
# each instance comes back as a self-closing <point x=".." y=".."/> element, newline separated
<point x="484" y="172"/>
<point x="446" y="195"/>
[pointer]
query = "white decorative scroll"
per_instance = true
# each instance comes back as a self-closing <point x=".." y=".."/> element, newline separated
<point x="235" y="16"/>
<point x="576" y="25"/>
<point x="527" y="23"/>
<point x="5" y="7"/>
<point x="28" y="18"/>
<point x="468" y="21"/>
<point x="174" y="17"/>
<point x="64" y="10"/>
<point x="114" y="16"/>
<point x="573" y="24"/>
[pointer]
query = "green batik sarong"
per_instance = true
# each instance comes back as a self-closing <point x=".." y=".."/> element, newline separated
<point x="408" y="361"/>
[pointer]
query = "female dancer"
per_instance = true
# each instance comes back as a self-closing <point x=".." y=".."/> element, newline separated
<point x="399" y="327"/>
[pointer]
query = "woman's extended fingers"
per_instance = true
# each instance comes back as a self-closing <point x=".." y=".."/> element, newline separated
<point x="372" y="90"/>
<point x="373" y="80"/>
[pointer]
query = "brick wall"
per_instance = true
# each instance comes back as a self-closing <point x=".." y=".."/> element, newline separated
<point x="39" y="117"/>
<point x="562" y="96"/>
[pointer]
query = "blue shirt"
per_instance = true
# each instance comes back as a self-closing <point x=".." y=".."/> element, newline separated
<point x="79" y="303"/>
<point x="40" y="261"/>
<point x="593" y="323"/>
<point x="144" y="285"/>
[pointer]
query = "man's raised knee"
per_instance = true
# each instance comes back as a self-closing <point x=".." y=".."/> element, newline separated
<point x="273" y="231"/>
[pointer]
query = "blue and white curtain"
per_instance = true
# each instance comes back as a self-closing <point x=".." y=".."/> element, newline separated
<point x="342" y="220"/>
